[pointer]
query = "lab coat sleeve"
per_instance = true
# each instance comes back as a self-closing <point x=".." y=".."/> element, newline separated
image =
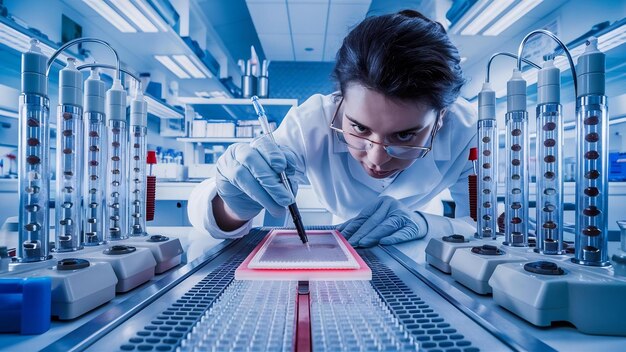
<point x="462" y="223"/>
<point x="290" y="134"/>
<point x="200" y="212"/>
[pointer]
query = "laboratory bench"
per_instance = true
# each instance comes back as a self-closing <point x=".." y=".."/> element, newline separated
<point x="172" y="199"/>
<point x="407" y="303"/>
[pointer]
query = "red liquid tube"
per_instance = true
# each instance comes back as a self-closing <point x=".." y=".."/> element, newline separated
<point x="472" y="183"/>
<point x="150" y="186"/>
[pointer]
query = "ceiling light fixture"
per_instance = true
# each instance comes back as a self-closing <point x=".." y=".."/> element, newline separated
<point x="161" y="110"/>
<point x="519" y="10"/>
<point x="19" y="41"/>
<point x="9" y="113"/>
<point x="137" y="17"/>
<point x="155" y="18"/>
<point x="489" y="17"/>
<point x="609" y="38"/>
<point x="485" y="15"/>
<point x="185" y="62"/>
<point x="13" y="38"/>
<point x="468" y="16"/>
<point x="104" y="10"/>
<point x="172" y="66"/>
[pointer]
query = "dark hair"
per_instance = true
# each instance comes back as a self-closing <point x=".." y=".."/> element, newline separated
<point x="403" y="56"/>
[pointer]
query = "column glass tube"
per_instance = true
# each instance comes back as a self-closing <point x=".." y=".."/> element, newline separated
<point x="95" y="169"/>
<point x="516" y="209"/>
<point x="33" y="162"/>
<point x="138" y="181"/>
<point x="68" y="186"/>
<point x="487" y="178"/>
<point x="69" y="159"/>
<point x="592" y="182"/>
<point x="34" y="184"/>
<point x="549" y="179"/>
<point x="549" y="166"/>
<point x="592" y="186"/>
<point x="116" y="182"/>
<point x="95" y="162"/>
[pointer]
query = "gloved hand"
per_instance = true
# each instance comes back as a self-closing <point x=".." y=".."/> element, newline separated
<point x="248" y="177"/>
<point x="385" y="222"/>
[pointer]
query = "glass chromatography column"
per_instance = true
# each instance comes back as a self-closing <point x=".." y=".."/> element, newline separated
<point x="487" y="164"/>
<point x="516" y="198"/>
<point x="117" y="161"/>
<point x="549" y="161"/>
<point x="34" y="164"/>
<point x="94" y="200"/>
<point x="138" y="143"/>
<point x="69" y="159"/>
<point x="591" y="157"/>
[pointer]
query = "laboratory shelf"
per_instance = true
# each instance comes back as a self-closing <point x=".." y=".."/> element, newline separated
<point x="20" y="43"/>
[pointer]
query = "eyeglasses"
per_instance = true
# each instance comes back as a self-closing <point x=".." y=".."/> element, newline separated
<point x="399" y="151"/>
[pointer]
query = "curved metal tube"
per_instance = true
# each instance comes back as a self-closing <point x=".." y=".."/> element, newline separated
<point x="85" y="40"/>
<point x="509" y="55"/>
<point x="111" y="67"/>
<point x="560" y="43"/>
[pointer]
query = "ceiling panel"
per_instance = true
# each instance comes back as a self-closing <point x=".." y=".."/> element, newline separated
<point x="302" y="42"/>
<point x="342" y="16"/>
<point x="232" y="22"/>
<point x="308" y="18"/>
<point x="269" y="18"/>
<point x="333" y="43"/>
<point x="308" y="22"/>
<point x="277" y="46"/>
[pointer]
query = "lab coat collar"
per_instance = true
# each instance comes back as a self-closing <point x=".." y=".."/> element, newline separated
<point x="418" y="179"/>
<point x="357" y="173"/>
<point x="442" y="148"/>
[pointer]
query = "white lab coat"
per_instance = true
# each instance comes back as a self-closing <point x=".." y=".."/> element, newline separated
<point x="342" y="185"/>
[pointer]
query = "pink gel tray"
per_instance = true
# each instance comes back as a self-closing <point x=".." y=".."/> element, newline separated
<point x="282" y="256"/>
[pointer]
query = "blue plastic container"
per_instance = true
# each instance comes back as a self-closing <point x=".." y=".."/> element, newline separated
<point x="25" y="305"/>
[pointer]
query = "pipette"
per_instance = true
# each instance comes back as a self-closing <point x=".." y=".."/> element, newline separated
<point x="293" y="208"/>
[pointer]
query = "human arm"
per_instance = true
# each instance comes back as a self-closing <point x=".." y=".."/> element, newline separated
<point x="201" y="215"/>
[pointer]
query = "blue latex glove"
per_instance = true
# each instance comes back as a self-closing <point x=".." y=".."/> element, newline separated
<point x="248" y="178"/>
<point x="385" y="222"/>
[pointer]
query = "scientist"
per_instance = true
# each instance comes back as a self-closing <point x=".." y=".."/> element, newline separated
<point x="377" y="153"/>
